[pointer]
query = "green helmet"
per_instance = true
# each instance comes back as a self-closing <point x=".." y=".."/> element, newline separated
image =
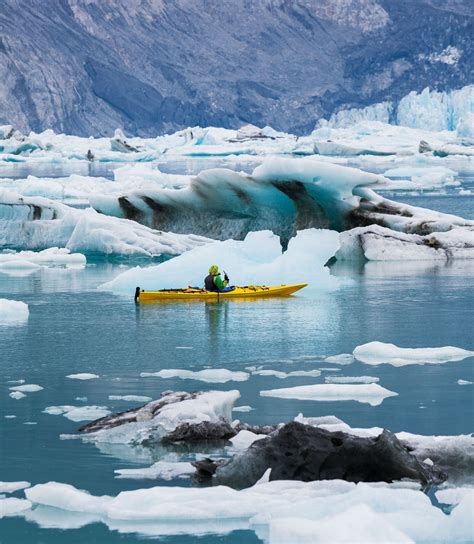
<point x="214" y="270"/>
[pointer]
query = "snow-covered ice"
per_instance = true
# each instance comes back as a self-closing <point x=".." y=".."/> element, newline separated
<point x="13" y="311"/>
<point x="373" y="394"/>
<point x="377" y="353"/>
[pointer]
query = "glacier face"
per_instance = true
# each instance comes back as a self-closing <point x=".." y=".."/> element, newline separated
<point x="144" y="65"/>
<point x="428" y="110"/>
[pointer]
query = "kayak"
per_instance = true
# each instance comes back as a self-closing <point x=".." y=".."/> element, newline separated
<point x="192" y="293"/>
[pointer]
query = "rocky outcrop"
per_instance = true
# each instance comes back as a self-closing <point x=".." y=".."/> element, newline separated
<point x="306" y="453"/>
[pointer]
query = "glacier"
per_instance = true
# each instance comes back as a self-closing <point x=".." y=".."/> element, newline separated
<point x="429" y="110"/>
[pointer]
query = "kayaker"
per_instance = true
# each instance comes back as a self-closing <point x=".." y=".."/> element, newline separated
<point x="214" y="282"/>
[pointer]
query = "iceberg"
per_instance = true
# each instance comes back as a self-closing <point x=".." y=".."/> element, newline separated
<point x="34" y="223"/>
<point x="164" y="470"/>
<point x="378" y="353"/>
<point x="283" y="195"/>
<point x="33" y="260"/>
<point x="256" y="260"/>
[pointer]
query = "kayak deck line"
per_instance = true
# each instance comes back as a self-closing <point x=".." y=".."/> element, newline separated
<point x="192" y="293"/>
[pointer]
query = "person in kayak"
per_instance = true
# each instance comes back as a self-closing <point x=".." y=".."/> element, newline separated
<point x="214" y="282"/>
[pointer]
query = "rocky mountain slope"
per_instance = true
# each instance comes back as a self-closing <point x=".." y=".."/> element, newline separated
<point x="149" y="66"/>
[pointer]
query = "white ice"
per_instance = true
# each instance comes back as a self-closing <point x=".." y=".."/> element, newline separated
<point x="164" y="470"/>
<point x="256" y="260"/>
<point x="209" y="375"/>
<point x="372" y="393"/>
<point x="27" y="388"/>
<point x="244" y="408"/>
<point x="292" y="374"/>
<point x="130" y="398"/>
<point x="244" y="439"/>
<point x="341" y="359"/>
<point x="83" y="376"/>
<point x="351" y="379"/>
<point x="464" y="382"/>
<point x="377" y="353"/>
<point x="17" y="395"/>
<point x="13" y="312"/>
<point x="11" y="487"/>
<point x="11" y="506"/>
<point x="78" y="413"/>
<point x="370" y="511"/>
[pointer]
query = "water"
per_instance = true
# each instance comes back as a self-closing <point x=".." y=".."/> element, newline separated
<point x="74" y="327"/>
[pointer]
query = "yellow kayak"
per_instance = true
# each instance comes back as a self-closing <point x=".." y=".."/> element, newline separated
<point x="191" y="293"/>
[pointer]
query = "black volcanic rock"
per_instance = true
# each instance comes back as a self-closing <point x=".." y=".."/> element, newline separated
<point x="305" y="453"/>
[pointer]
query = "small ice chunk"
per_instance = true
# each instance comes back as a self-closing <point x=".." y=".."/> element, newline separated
<point x="11" y="487"/>
<point x="12" y="505"/>
<point x="130" y="398"/>
<point x="283" y="375"/>
<point x="377" y="353"/>
<point x="351" y="379"/>
<point x="16" y="381"/>
<point x="162" y="469"/>
<point x="372" y="393"/>
<point x="82" y="399"/>
<point x="428" y="461"/>
<point x="30" y="423"/>
<point x="212" y="375"/>
<point x="17" y="395"/>
<point x="27" y="388"/>
<point x="78" y="413"/>
<point x="341" y="359"/>
<point x="464" y="382"/>
<point x="82" y="376"/>
<point x="11" y="416"/>
<point x="13" y="311"/>
<point x="245" y="408"/>
<point x="244" y="439"/>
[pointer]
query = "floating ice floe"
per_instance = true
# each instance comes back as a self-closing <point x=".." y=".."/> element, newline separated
<point x="164" y="470"/>
<point x="130" y="398"/>
<point x="11" y="487"/>
<point x="377" y="353"/>
<point x="11" y="506"/>
<point x="244" y="408"/>
<point x="13" y="312"/>
<point x="210" y="375"/>
<point x="36" y="223"/>
<point x="83" y="376"/>
<point x="244" y="439"/>
<point x="27" y="388"/>
<point x="78" y="413"/>
<point x="283" y="375"/>
<point x="278" y="509"/>
<point x="464" y="382"/>
<point x="341" y="359"/>
<point x="17" y="395"/>
<point x="421" y="178"/>
<point x="18" y="262"/>
<point x="351" y="379"/>
<point x="256" y="260"/>
<point x="375" y="243"/>
<point x="372" y="393"/>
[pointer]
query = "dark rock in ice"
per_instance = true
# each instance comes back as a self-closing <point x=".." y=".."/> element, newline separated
<point x="142" y="413"/>
<point x="306" y="453"/>
<point x="205" y="469"/>
<point x="205" y="431"/>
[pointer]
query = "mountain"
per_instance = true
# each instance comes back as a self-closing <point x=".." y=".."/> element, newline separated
<point x="87" y="67"/>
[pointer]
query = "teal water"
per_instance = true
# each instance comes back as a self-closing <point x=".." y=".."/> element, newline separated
<point x="73" y="327"/>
